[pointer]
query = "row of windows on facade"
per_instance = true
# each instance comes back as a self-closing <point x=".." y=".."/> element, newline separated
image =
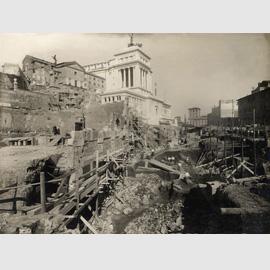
<point x="69" y="81"/>
<point x="81" y="84"/>
<point x="118" y="98"/>
<point x="86" y="76"/>
<point x="114" y="98"/>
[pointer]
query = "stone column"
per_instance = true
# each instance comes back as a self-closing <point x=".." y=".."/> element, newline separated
<point x="140" y="77"/>
<point x="124" y="78"/>
<point x="120" y="85"/>
<point x="127" y="77"/>
<point x="131" y="76"/>
<point x="146" y="79"/>
<point x="143" y="78"/>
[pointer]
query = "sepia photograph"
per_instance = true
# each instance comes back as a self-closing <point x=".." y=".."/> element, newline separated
<point x="134" y="133"/>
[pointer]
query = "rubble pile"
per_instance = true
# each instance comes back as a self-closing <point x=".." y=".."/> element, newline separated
<point x="140" y="205"/>
<point x="160" y="218"/>
<point x="33" y="224"/>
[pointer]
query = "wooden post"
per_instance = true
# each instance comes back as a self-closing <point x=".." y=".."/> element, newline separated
<point x="77" y="191"/>
<point x="97" y="160"/>
<point x="42" y="192"/>
<point x="225" y="152"/>
<point x="254" y="144"/>
<point x="232" y="132"/>
<point x="242" y="148"/>
<point x="97" y="179"/>
<point x="211" y="149"/>
<point x="88" y="225"/>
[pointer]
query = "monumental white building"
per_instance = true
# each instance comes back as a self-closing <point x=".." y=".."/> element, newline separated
<point x="129" y="77"/>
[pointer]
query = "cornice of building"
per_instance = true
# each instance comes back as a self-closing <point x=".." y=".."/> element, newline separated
<point x="123" y="92"/>
<point x="135" y="94"/>
<point x="131" y="63"/>
<point x="159" y="100"/>
<point x="133" y="50"/>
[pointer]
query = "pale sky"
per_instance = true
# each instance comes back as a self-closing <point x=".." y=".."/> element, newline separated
<point x="190" y="69"/>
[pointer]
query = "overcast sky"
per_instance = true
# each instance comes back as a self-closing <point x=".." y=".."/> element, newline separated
<point x="190" y="69"/>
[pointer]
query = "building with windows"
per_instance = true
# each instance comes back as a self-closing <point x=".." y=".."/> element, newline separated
<point x="225" y="114"/>
<point x="195" y="119"/>
<point x="256" y="105"/>
<point x="129" y="78"/>
<point x="67" y="80"/>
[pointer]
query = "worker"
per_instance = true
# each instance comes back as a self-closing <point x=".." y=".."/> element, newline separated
<point x="171" y="190"/>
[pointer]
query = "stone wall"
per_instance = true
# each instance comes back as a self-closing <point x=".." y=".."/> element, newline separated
<point x="40" y="119"/>
<point x="24" y="99"/>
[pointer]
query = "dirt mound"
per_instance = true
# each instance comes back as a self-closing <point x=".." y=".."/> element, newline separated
<point x="140" y="205"/>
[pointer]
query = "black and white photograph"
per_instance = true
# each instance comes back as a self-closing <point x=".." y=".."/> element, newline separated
<point x="134" y="133"/>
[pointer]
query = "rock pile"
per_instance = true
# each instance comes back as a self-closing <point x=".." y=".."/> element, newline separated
<point x="140" y="205"/>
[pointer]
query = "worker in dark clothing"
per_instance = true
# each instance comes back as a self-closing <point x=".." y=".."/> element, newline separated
<point x="171" y="190"/>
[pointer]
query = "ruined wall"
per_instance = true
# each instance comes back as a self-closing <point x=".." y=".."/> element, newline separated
<point x="87" y="142"/>
<point x="12" y="120"/>
<point x="7" y="80"/>
<point x="98" y="116"/>
<point x="41" y="119"/>
<point x="17" y="107"/>
<point x="24" y="99"/>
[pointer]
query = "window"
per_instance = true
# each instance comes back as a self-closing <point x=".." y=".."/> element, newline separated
<point x="109" y="99"/>
<point x="105" y="99"/>
<point x="75" y="72"/>
<point x="112" y="98"/>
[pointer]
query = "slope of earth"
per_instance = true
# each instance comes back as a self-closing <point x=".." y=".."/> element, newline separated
<point x="145" y="204"/>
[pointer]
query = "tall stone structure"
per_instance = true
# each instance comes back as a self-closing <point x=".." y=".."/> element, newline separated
<point x="129" y="77"/>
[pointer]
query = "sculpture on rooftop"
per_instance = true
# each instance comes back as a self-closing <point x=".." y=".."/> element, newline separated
<point x="131" y="41"/>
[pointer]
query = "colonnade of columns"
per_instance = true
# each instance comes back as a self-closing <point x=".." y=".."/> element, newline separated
<point x="127" y="77"/>
<point x="143" y="78"/>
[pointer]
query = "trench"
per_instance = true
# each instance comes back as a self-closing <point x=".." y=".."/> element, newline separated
<point x="201" y="215"/>
<point x="197" y="209"/>
<point x="165" y="199"/>
<point x="199" y="212"/>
